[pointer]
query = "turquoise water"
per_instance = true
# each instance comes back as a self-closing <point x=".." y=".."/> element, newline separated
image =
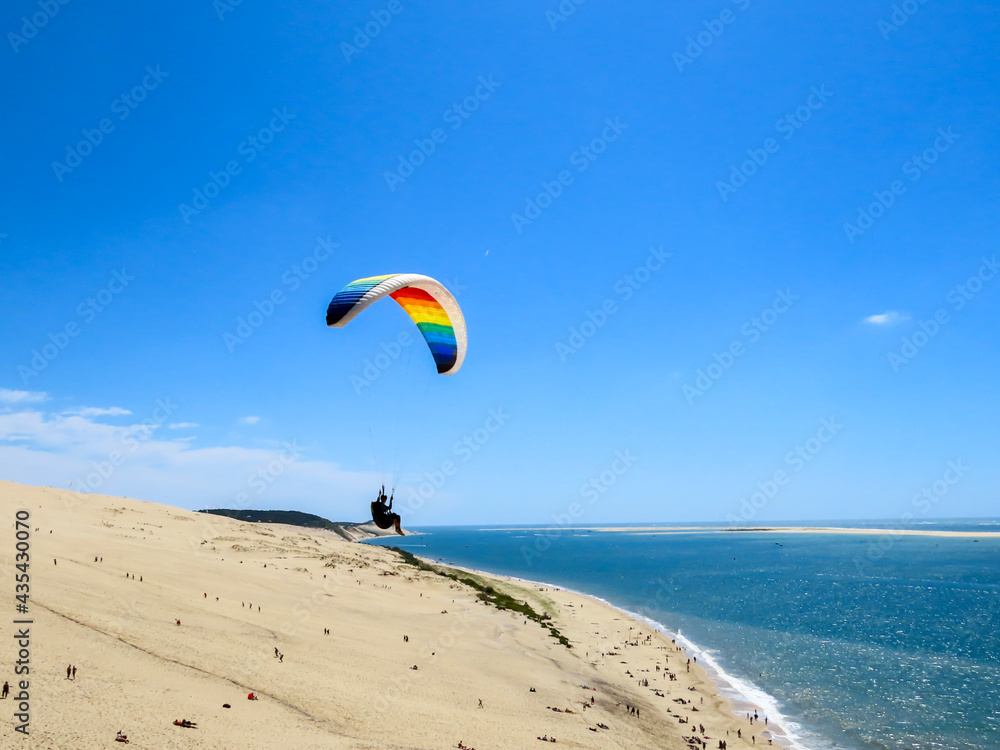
<point x="846" y="641"/>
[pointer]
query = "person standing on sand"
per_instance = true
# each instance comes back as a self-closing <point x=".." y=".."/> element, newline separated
<point x="6" y="689"/>
<point x="74" y="673"/>
<point x="69" y="668"/>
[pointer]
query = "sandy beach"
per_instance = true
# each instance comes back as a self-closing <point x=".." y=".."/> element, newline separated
<point x="651" y="530"/>
<point x="112" y="577"/>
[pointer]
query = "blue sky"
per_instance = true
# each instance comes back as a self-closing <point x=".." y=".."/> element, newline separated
<point x="784" y="216"/>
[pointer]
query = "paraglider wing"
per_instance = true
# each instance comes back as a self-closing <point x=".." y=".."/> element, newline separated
<point x="432" y="307"/>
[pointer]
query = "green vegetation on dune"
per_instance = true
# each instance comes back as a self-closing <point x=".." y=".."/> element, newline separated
<point x="290" y="517"/>
<point x="486" y="592"/>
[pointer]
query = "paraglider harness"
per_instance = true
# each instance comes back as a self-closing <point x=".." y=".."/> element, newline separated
<point x="382" y="514"/>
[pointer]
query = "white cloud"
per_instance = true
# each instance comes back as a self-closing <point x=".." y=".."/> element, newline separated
<point x="95" y="411"/>
<point x="182" y="425"/>
<point x="53" y="449"/>
<point x="249" y="420"/>
<point x="889" y="318"/>
<point x="8" y="396"/>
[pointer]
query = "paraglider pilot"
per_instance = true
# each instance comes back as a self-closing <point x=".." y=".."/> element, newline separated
<point x="382" y="513"/>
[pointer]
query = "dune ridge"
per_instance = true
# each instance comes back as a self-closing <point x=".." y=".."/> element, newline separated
<point x="111" y="577"/>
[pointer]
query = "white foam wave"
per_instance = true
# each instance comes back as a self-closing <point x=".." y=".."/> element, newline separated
<point x="744" y="694"/>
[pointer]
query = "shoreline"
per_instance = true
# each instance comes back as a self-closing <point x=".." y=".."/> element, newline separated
<point x="658" y="530"/>
<point x="169" y="613"/>
<point x="734" y="690"/>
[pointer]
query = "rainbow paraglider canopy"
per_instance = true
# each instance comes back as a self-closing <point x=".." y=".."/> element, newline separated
<point x="431" y="306"/>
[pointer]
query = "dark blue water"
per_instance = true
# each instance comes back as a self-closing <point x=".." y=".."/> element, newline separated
<point x="859" y="641"/>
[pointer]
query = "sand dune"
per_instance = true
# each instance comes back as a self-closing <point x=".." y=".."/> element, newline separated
<point x="242" y="590"/>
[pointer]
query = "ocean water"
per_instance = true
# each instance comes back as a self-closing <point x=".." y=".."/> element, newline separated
<point x="844" y="641"/>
